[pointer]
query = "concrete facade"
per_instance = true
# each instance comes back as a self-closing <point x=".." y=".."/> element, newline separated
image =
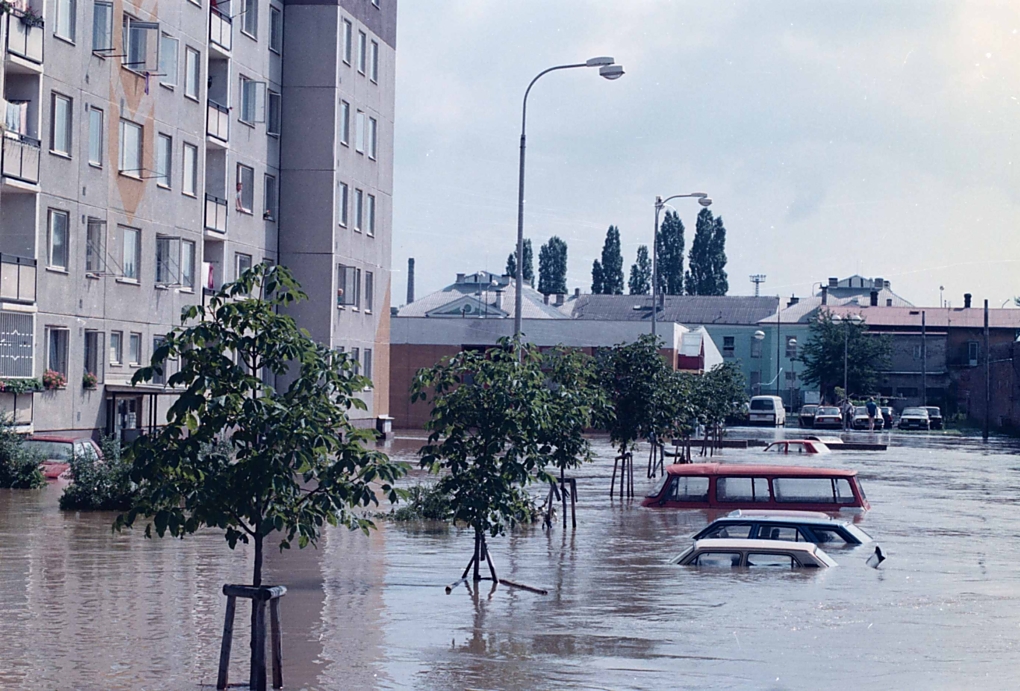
<point x="152" y="152"/>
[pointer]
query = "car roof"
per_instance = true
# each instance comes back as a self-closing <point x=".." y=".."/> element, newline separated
<point x="56" y="438"/>
<point x="685" y="469"/>
<point x="758" y="545"/>
<point x="780" y="514"/>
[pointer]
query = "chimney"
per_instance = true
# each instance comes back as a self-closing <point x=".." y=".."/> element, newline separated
<point x="559" y="299"/>
<point x="833" y="282"/>
<point x="577" y="292"/>
<point x="498" y="303"/>
<point x="545" y="298"/>
<point x="887" y="285"/>
<point x="825" y="295"/>
<point x="410" y="280"/>
<point x="878" y="283"/>
<point x="966" y="301"/>
<point x="460" y="278"/>
<point x="793" y="301"/>
<point x="874" y="298"/>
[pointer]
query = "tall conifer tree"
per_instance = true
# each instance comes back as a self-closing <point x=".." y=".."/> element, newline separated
<point x="612" y="263"/>
<point x="552" y="267"/>
<point x="640" y="282"/>
<point x="597" y="278"/>
<point x="670" y="257"/>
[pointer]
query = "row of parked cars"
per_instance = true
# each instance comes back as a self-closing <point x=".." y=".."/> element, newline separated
<point x="831" y="417"/>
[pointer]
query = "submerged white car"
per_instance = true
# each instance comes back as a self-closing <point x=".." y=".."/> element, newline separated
<point x="754" y="554"/>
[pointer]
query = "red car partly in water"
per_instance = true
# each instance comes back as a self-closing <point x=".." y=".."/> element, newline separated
<point x="791" y="488"/>
<point x="56" y="452"/>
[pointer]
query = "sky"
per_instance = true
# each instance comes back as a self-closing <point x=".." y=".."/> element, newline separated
<point x="880" y="138"/>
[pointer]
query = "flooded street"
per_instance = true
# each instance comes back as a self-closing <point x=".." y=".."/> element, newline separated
<point x="84" y="608"/>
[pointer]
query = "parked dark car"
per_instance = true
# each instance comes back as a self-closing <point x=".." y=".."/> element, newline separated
<point x="807" y="415"/>
<point x="887" y="416"/>
<point x="934" y="417"/>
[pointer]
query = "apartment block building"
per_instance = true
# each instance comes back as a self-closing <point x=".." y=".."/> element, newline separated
<point x="153" y="151"/>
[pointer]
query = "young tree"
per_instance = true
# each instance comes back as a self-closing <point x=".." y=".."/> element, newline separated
<point x="670" y="256"/>
<point x="717" y="259"/>
<point x="700" y="278"/>
<point x="529" y="267"/>
<point x="641" y="273"/>
<point x="597" y="278"/>
<point x="866" y="355"/>
<point x="552" y="267"/>
<point x="612" y="263"/>
<point x="496" y="424"/>
<point x="237" y="454"/>
<point x="633" y="375"/>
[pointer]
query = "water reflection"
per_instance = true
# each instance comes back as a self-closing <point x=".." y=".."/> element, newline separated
<point x="83" y="607"/>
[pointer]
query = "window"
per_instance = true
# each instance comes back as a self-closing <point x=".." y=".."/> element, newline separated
<point x="275" y="29"/>
<point x="273" y="117"/>
<point x="269" y="203"/>
<point x="791" y="347"/>
<point x="345" y="123"/>
<point x="373" y="126"/>
<point x="771" y="561"/>
<point x="252" y="96"/>
<point x="369" y="291"/>
<point x="733" y="531"/>
<point x="164" y="160"/>
<point x="159" y="375"/>
<point x="242" y="263"/>
<point x="755" y="347"/>
<point x="362" y="38"/>
<point x="359" y="203"/>
<point x="729" y="346"/>
<point x="56" y="343"/>
<point x="93" y="353"/>
<point x="688" y="489"/>
<point x="141" y="44"/>
<point x="341" y="200"/>
<point x="168" y="252"/>
<point x="95" y="137"/>
<point x="828" y="536"/>
<point x="95" y="244"/>
<point x="917" y="352"/>
<point x="373" y="64"/>
<point x="367" y="368"/>
<point x="131" y="248"/>
<point x="116" y="347"/>
<point x="347" y="42"/>
<point x="250" y="20"/>
<point x="717" y="560"/>
<point x="187" y="264"/>
<point x="192" y="67"/>
<point x="245" y="188"/>
<point x="60" y="127"/>
<point x="130" y="149"/>
<point x="370" y="215"/>
<point x="813" y="490"/>
<point x="359" y="133"/>
<point x="190" y="182"/>
<point x="781" y="532"/>
<point x="168" y="60"/>
<point x="973" y="351"/>
<point x="102" y="26"/>
<point x="348" y="288"/>
<point x="67" y="11"/>
<point x="742" y="489"/>
<point x="356" y="359"/>
<point x="135" y="348"/>
<point x="791" y="380"/>
<point x="56" y="230"/>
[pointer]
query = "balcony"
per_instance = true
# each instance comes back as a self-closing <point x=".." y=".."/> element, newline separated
<point x="17" y="278"/>
<point x="21" y="158"/>
<point x="218" y="121"/>
<point x="215" y="214"/>
<point x="220" y="31"/>
<point x="25" y="38"/>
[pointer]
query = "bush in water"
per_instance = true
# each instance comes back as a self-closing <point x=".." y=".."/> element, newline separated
<point x="99" y="484"/>
<point x="19" y="467"/>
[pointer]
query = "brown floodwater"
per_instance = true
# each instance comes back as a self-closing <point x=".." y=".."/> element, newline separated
<point x="84" y="608"/>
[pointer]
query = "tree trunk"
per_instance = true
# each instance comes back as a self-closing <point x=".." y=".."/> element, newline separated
<point x="257" y="674"/>
<point x="478" y="554"/>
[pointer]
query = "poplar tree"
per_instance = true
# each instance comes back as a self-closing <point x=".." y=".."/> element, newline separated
<point x="612" y="263"/>
<point x="720" y="281"/>
<point x="529" y="269"/>
<point x="641" y="273"/>
<point x="700" y="278"/>
<point x="670" y="255"/>
<point x="552" y="267"/>
<point x="597" y="282"/>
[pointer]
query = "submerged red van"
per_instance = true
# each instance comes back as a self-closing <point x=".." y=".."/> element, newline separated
<point x="716" y="486"/>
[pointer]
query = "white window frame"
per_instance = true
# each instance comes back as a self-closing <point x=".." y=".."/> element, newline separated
<point x="274" y="113"/>
<point x="359" y="132"/>
<point x="369" y="291"/>
<point x="61" y="103"/>
<point x="362" y="51"/>
<point x="343" y="204"/>
<point x="53" y="260"/>
<point x="189" y="171"/>
<point x="242" y="262"/>
<point x="94" y="353"/>
<point x="373" y="129"/>
<point x="63" y="338"/>
<point x="250" y="18"/>
<point x="270" y="198"/>
<point x="192" y="73"/>
<point x="348" y="37"/>
<point x="242" y="190"/>
<point x="97" y="134"/>
<point x="164" y="160"/>
<point x="345" y="123"/>
<point x="276" y="29"/>
<point x="95" y="245"/>
<point x="370" y="215"/>
<point x="359" y="209"/>
<point x="168" y="46"/>
<point x="130" y="163"/>
<point x="168" y="260"/>
<point x="65" y="26"/>
<point x="133" y="31"/>
<point x="373" y="62"/>
<point x="187" y="265"/>
<point x="127" y="262"/>
<point x="116" y="348"/>
<point x="135" y="348"/>
<point x="100" y="32"/>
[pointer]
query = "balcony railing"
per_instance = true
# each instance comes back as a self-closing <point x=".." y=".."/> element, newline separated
<point x="215" y="213"/>
<point x="220" y="29"/>
<point x="21" y="157"/>
<point x="17" y="278"/>
<point x="218" y="121"/>
<point x="25" y="38"/>
<point x="16" y="344"/>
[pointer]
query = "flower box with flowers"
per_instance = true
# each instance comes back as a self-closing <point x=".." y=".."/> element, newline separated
<point x="53" y="379"/>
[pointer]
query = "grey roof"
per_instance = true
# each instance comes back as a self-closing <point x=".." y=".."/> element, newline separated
<point x="682" y="309"/>
<point x="500" y="293"/>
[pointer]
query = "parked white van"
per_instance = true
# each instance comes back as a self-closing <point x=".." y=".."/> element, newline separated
<point x="767" y="410"/>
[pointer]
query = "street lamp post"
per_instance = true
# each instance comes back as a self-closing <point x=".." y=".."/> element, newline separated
<point x="759" y="336"/>
<point x="608" y="70"/>
<point x="705" y="201"/>
<point x="853" y="319"/>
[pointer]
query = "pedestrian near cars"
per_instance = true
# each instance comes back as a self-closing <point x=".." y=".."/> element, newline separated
<point x="872" y="412"/>
<point x="848" y="414"/>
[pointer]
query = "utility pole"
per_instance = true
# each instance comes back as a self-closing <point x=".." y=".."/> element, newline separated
<point x="988" y="380"/>
<point x="779" y="309"/>
<point x="924" y="362"/>
<point x="757" y="280"/>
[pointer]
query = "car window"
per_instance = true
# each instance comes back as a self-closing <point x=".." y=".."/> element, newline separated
<point x="798" y="448"/>
<point x="719" y="560"/>
<point x="771" y="561"/>
<point x="781" y="532"/>
<point x="688" y="489"/>
<point x="844" y="493"/>
<point x="776" y="448"/>
<point x="50" y="450"/>
<point x="738" y="531"/>
<point x="815" y="490"/>
<point x="742" y="489"/>
<point x="829" y="536"/>
<point x="762" y="404"/>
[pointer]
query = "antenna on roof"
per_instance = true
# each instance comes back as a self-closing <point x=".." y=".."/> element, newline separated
<point x="757" y="280"/>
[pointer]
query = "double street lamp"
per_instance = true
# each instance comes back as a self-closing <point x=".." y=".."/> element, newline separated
<point x="705" y="201"/>
<point x="608" y="69"/>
